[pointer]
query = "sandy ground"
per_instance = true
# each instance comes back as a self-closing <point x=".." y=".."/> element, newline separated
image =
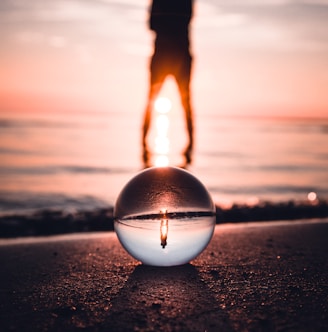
<point x="252" y="277"/>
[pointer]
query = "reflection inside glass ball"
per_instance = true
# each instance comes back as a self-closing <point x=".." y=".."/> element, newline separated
<point x="164" y="216"/>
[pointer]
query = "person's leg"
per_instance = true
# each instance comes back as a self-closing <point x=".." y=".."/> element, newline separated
<point x="183" y="81"/>
<point x="153" y="93"/>
<point x="157" y="77"/>
<point x="189" y="119"/>
<point x="190" y="126"/>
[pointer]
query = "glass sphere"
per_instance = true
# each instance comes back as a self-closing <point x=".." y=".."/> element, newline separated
<point x="164" y="216"/>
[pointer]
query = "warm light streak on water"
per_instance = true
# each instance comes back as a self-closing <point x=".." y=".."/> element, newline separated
<point x="161" y="161"/>
<point x="162" y="145"/>
<point x="162" y="125"/>
<point x="163" y="105"/>
<point x="162" y="108"/>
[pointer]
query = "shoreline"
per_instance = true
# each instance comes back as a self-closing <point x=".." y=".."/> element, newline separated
<point x="55" y="222"/>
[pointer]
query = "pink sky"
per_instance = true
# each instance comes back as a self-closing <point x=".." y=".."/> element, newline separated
<point x="250" y="58"/>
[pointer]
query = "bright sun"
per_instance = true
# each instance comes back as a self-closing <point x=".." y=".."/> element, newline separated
<point x="163" y="105"/>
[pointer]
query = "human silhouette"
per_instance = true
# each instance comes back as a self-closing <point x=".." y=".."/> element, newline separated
<point x="170" y="19"/>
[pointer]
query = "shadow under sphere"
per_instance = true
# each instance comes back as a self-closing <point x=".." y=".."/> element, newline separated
<point x="166" y="299"/>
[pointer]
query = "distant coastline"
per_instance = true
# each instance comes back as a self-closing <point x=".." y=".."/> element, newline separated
<point x="53" y="222"/>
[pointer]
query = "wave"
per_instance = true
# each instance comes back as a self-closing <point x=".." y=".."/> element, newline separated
<point x="58" y="169"/>
<point x="13" y="123"/>
<point x="29" y="202"/>
<point x="11" y="151"/>
<point x="269" y="189"/>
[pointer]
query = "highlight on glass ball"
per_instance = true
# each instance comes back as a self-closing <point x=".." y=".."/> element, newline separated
<point x="164" y="216"/>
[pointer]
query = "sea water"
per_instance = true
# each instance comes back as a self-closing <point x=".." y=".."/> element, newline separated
<point x="81" y="161"/>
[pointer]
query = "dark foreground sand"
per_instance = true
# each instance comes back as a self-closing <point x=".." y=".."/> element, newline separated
<point x="255" y="277"/>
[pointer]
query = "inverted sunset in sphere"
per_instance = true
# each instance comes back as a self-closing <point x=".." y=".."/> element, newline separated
<point x="164" y="216"/>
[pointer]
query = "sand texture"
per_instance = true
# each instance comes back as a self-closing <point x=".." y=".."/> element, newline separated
<point x="252" y="277"/>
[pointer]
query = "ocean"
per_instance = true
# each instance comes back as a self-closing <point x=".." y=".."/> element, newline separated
<point x="80" y="161"/>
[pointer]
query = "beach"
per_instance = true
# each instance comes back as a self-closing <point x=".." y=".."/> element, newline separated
<point x="73" y="91"/>
<point x="268" y="276"/>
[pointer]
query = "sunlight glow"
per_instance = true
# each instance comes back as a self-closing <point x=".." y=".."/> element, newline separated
<point x="161" y="161"/>
<point x="162" y="142"/>
<point x="253" y="201"/>
<point x="163" y="105"/>
<point x="163" y="212"/>
<point x="162" y="145"/>
<point x="312" y="196"/>
<point x="162" y="125"/>
<point x="164" y="231"/>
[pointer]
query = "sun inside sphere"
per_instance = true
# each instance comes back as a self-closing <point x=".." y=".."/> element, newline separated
<point x="164" y="216"/>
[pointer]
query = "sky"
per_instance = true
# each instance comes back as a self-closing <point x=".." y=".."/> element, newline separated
<point x="251" y="58"/>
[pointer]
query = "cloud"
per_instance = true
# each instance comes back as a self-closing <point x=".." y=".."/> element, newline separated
<point x="49" y="11"/>
<point x="277" y="24"/>
<point x="131" y="3"/>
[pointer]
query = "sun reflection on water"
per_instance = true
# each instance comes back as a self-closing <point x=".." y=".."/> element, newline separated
<point x="161" y="161"/>
<point x="167" y="136"/>
<point x="163" y="105"/>
<point x="162" y="142"/>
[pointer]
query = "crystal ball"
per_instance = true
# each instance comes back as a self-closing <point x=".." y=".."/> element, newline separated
<point x="164" y="216"/>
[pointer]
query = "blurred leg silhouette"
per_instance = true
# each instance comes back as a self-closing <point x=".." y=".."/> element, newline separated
<point x="170" y="20"/>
